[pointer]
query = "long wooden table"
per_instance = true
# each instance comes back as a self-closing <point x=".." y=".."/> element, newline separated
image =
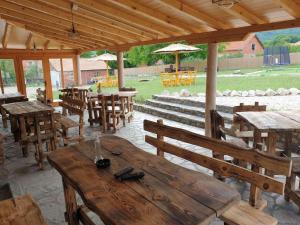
<point x="273" y="123"/>
<point x="17" y="112"/>
<point x="9" y="98"/>
<point x="168" y="194"/>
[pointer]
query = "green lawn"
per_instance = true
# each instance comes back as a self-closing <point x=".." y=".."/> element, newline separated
<point x="267" y="77"/>
<point x="147" y="89"/>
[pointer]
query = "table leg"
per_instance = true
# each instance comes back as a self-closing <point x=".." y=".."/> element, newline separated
<point x="271" y="143"/>
<point x="4" y="117"/>
<point x="255" y="192"/>
<point x="23" y="137"/>
<point x="288" y="141"/>
<point x="71" y="204"/>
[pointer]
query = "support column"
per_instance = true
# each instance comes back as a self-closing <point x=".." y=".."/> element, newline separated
<point x="120" y="61"/>
<point x="76" y="69"/>
<point x="47" y="78"/>
<point x="62" y="76"/>
<point x="211" y="83"/>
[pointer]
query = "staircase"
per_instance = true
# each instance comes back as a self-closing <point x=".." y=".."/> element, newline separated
<point x="182" y="110"/>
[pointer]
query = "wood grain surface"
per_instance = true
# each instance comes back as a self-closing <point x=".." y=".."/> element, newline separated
<point x="173" y="194"/>
<point x="25" y="108"/>
<point x="273" y="121"/>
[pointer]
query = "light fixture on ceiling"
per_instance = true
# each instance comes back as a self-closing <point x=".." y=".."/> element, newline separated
<point x="73" y="34"/>
<point x="225" y="3"/>
<point x="34" y="47"/>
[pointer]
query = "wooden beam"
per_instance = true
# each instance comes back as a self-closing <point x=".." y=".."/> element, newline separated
<point x="46" y="44"/>
<point x="62" y="77"/>
<point x="120" y="62"/>
<point x="233" y="34"/>
<point x="139" y="22"/>
<point x="30" y="16"/>
<point x="147" y="12"/>
<point x="6" y="34"/>
<point x="75" y="69"/>
<point x="245" y="14"/>
<point x="24" y="53"/>
<point x="196" y="14"/>
<point x="211" y="84"/>
<point x="28" y="41"/>
<point x="101" y="19"/>
<point x="290" y="6"/>
<point x="47" y="78"/>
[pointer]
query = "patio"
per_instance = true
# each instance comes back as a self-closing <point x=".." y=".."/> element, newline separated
<point x="36" y="32"/>
<point x="46" y="187"/>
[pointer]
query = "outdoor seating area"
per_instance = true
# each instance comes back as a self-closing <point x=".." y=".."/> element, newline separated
<point x="77" y="154"/>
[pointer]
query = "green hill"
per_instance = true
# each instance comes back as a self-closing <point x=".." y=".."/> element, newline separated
<point x="269" y="35"/>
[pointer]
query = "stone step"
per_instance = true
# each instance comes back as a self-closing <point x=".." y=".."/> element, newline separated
<point x="190" y="110"/>
<point x="189" y="102"/>
<point x="192" y="120"/>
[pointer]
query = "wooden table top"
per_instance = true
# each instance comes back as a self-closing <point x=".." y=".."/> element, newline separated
<point x="168" y="194"/>
<point x="120" y="93"/>
<point x="16" y="95"/>
<point x="25" y="108"/>
<point x="279" y="121"/>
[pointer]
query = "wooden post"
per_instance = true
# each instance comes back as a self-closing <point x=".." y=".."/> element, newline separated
<point x="71" y="204"/>
<point x="76" y="69"/>
<point x="62" y="77"/>
<point x="47" y="77"/>
<point x="1" y="83"/>
<point x="120" y="61"/>
<point x="211" y="83"/>
<point x="20" y="78"/>
<point x="160" y="138"/>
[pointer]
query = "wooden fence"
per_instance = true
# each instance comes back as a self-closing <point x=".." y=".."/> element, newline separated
<point x="200" y="65"/>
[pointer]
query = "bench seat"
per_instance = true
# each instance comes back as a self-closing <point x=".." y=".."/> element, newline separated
<point x="244" y="214"/>
<point x="66" y="123"/>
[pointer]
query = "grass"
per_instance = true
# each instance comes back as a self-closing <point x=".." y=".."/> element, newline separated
<point x="271" y="77"/>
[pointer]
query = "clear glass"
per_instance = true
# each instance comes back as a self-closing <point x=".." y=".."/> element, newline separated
<point x="96" y="136"/>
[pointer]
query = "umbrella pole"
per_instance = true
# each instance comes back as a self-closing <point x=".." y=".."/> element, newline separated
<point x="176" y="66"/>
<point x="107" y="75"/>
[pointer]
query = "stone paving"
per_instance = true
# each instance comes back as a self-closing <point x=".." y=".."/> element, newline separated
<point x="46" y="187"/>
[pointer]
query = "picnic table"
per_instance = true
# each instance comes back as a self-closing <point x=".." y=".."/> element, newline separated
<point x="168" y="193"/>
<point x="9" y="98"/>
<point x="18" y="111"/>
<point x="273" y="123"/>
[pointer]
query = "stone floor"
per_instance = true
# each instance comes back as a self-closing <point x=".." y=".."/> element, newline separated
<point x="46" y="187"/>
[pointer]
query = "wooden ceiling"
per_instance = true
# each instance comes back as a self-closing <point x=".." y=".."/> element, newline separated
<point x="121" y="24"/>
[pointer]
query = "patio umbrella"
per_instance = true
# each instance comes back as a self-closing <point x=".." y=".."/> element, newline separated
<point x="177" y="49"/>
<point x="105" y="57"/>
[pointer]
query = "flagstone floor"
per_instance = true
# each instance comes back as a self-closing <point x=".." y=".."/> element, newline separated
<point x="46" y="187"/>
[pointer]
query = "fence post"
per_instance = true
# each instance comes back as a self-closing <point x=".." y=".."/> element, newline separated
<point x="160" y="138"/>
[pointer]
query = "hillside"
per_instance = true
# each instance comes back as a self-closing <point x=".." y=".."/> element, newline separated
<point x="269" y="35"/>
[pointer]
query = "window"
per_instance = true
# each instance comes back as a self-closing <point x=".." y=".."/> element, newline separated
<point x="253" y="47"/>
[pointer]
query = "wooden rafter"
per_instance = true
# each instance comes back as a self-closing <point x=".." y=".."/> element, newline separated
<point x="29" y="41"/>
<point x="291" y="6"/>
<point x="101" y="8"/>
<point x="196" y="14"/>
<point x="136" y="7"/>
<point x="245" y="14"/>
<point x="24" y="13"/>
<point x="102" y="20"/>
<point x="233" y="34"/>
<point x="6" y="34"/>
<point x="28" y="20"/>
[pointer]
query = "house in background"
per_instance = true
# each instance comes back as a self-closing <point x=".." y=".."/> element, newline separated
<point x="89" y="69"/>
<point x="251" y="46"/>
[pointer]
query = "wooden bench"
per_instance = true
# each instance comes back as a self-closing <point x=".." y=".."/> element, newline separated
<point x="292" y="191"/>
<point x="41" y="96"/>
<point x="64" y="123"/>
<point x="20" y="211"/>
<point x="258" y="160"/>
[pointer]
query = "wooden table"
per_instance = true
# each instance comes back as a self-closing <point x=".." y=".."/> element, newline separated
<point x="168" y="194"/>
<point x="17" y="112"/>
<point x="124" y="96"/>
<point x="9" y="98"/>
<point x="273" y="123"/>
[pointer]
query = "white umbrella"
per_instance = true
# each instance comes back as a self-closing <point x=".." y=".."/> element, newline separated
<point x="177" y="48"/>
<point x="105" y="57"/>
